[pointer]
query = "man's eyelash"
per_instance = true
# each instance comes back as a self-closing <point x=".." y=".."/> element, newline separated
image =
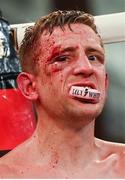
<point x="92" y="57"/>
<point x="61" y="58"/>
<point x="96" y="57"/>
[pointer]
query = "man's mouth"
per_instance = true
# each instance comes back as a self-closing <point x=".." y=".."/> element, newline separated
<point x="85" y="94"/>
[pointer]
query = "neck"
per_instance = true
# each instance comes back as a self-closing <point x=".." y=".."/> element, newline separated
<point x="68" y="146"/>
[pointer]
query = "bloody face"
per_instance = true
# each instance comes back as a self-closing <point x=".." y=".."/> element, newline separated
<point x="70" y="58"/>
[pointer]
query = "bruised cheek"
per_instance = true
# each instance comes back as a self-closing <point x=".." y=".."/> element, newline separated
<point x="57" y="77"/>
<point x="56" y="67"/>
<point x="51" y="75"/>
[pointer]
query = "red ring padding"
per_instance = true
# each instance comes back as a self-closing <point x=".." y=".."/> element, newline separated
<point x="17" y="120"/>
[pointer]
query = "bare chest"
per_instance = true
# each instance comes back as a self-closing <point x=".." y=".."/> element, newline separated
<point x="109" y="169"/>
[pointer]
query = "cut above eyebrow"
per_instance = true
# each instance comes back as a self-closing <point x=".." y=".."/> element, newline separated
<point x="58" y="50"/>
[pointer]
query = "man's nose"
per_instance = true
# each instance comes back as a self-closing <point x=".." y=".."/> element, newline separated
<point x="83" y="66"/>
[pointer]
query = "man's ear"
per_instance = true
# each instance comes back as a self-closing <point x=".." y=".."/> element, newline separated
<point x="27" y="85"/>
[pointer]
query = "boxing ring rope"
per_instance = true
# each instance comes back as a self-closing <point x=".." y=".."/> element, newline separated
<point x="110" y="26"/>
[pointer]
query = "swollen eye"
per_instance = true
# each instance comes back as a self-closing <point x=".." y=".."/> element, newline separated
<point x="92" y="58"/>
<point x="61" y="58"/>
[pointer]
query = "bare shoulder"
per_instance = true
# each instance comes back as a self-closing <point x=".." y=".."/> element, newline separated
<point x="6" y="169"/>
<point x="23" y="162"/>
<point x="16" y="160"/>
<point x="111" y="145"/>
<point x="111" y="150"/>
<point x="16" y="154"/>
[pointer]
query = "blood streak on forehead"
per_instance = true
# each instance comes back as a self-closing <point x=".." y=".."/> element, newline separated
<point x="59" y="39"/>
<point x="45" y="47"/>
<point x="50" y="46"/>
<point x="55" y="52"/>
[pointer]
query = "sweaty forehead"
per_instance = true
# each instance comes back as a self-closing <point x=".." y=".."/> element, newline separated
<point x="78" y="29"/>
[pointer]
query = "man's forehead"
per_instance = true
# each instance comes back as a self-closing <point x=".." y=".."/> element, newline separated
<point x="76" y="28"/>
<point x="77" y="33"/>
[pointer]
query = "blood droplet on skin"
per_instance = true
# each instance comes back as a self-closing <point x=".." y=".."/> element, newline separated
<point x="55" y="159"/>
<point x="55" y="67"/>
<point x="61" y="77"/>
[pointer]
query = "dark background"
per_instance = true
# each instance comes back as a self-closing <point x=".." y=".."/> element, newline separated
<point x="21" y="11"/>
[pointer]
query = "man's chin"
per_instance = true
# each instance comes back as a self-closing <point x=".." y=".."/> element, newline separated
<point x="86" y="109"/>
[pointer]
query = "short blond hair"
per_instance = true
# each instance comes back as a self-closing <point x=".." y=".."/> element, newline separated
<point x="49" y="22"/>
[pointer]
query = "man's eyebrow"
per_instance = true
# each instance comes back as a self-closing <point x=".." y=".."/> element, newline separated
<point x="70" y="49"/>
<point x="58" y="50"/>
<point x="98" y="50"/>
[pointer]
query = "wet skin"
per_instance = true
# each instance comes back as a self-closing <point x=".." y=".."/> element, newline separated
<point x="72" y="57"/>
<point x="63" y="145"/>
